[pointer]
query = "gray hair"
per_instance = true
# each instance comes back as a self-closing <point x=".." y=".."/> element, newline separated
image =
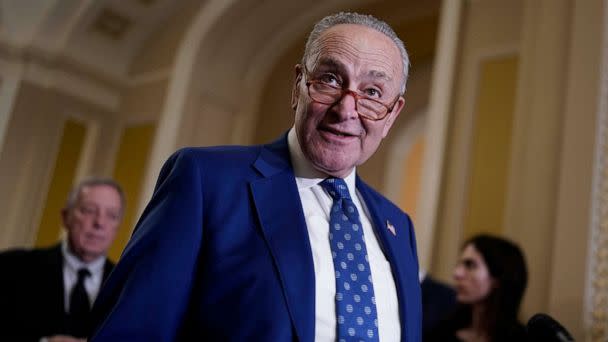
<point x="357" y="19"/>
<point x="95" y="181"/>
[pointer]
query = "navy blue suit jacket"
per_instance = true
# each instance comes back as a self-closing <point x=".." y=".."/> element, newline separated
<point x="222" y="253"/>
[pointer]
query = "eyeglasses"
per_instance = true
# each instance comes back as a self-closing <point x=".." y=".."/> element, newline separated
<point x="366" y="107"/>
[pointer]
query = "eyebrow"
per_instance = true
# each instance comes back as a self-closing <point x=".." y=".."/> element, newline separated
<point x="379" y="74"/>
<point x="330" y="62"/>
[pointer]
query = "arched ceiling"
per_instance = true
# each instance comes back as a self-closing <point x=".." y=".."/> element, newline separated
<point x="104" y="36"/>
<point x="250" y="35"/>
<point x="233" y="53"/>
<point x="99" y="36"/>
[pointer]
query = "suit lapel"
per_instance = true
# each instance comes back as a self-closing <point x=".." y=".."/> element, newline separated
<point x="55" y="293"/>
<point x="55" y="269"/>
<point x="108" y="266"/>
<point x="393" y="247"/>
<point x="279" y="209"/>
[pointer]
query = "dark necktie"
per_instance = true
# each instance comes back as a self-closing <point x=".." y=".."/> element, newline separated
<point x="80" y="306"/>
<point x="355" y="302"/>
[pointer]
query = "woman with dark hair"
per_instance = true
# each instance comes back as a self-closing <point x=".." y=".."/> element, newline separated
<point x="490" y="280"/>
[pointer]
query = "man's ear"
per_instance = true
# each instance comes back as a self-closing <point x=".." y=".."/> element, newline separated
<point x="295" y="91"/>
<point x="392" y="116"/>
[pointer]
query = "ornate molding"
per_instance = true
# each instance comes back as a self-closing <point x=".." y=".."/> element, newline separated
<point x="64" y="78"/>
<point x="597" y="312"/>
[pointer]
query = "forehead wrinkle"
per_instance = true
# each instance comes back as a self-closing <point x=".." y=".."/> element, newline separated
<point x="333" y="44"/>
<point x="330" y="45"/>
<point x="387" y="68"/>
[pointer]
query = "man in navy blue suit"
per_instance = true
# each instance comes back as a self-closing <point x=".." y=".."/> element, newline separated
<point x="235" y="242"/>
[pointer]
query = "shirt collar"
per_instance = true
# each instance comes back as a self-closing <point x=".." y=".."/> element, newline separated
<point x="73" y="262"/>
<point x="306" y="175"/>
<point x="421" y="274"/>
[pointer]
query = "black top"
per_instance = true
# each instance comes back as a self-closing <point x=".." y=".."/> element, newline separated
<point x="446" y="332"/>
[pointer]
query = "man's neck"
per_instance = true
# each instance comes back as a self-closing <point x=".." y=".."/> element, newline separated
<point x="76" y="258"/>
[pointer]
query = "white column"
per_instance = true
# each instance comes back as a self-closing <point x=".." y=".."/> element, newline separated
<point x="12" y="73"/>
<point x="179" y="89"/>
<point x="596" y="289"/>
<point x="438" y="118"/>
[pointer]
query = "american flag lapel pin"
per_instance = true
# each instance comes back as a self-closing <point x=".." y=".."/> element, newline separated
<point x="391" y="228"/>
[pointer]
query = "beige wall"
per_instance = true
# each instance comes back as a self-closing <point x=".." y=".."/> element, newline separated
<point x="65" y="166"/>
<point x="129" y="168"/>
<point x="29" y="151"/>
<point x="26" y="156"/>
<point x="410" y="187"/>
<point x="490" y="29"/>
<point x="491" y="146"/>
<point x="547" y="194"/>
<point x="274" y="115"/>
<point x="158" y="52"/>
<point x="569" y="280"/>
<point x="143" y="102"/>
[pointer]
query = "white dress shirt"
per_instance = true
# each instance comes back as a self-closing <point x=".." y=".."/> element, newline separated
<point x="316" y="204"/>
<point x="71" y="265"/>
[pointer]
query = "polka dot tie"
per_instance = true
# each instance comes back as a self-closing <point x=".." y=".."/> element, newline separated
<point x="355" y="302"/>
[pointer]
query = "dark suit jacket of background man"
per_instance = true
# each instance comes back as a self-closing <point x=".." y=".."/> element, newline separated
<point x="221" y="253"/>
<point x="32" y="294"/>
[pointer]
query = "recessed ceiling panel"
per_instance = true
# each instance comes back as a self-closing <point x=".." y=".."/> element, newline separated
<point x="111" y="24"/>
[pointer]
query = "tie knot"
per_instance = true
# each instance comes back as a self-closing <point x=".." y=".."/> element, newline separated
<point x="336" y="187"/>
<point x="83" y="273"/>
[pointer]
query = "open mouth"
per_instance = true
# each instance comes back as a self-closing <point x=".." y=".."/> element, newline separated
<point x="337" y="132"/>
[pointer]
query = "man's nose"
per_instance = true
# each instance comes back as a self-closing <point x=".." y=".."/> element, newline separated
<point x="346" y="107"/>
<point x="98" y="221"/>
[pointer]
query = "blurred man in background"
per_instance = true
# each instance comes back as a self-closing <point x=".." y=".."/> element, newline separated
<point x="46" y="294"/>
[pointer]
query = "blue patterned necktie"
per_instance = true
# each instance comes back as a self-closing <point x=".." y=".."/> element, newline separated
<point x="355" y="302"/>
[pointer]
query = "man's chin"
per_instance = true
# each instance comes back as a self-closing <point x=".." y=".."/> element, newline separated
<point x="331" y="159"/>
<point x="93" y="252"/>
<point x="334" y="169"/>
